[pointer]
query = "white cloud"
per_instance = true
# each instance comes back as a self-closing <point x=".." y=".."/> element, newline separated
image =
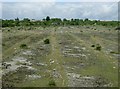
<point x="31" y="10"/>
<point x="59" y="0"/>
<point x="27" y="1"/>
<point x="0" y="10"/>
<point x="103" y="11"/>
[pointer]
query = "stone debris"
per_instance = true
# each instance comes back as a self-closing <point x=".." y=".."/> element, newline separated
<point x="66" y="46"/>
<point x="83" y="48"/>
<point x="76" y="80"/>
<point x="33" y="76"/>
<point x="41" y="64"/>
<point x="76" y="47"/>
<point x="74" y="75"/>
<point x="75" y="55"/>
<point x="51" y="61"/>
<point x="114" y="67"/>
<point x="27" y="53"/>
<point x="19" y="59"/>
<point x="55" y="73"/>
<point x="15" y="64"/>
<point x="30" y="68"/>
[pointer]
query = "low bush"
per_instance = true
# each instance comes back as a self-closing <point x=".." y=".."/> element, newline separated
<point x="52" y="83"/>
<point x="3" y="44"/>
<point x="92" y="45"/>
<point x="98" y="47"/>
<point x="114" y="52"/>
<point x="23" y="46"/>
<point x="46" y="41"/>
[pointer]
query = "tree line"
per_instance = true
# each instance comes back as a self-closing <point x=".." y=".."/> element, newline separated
<point x="55" y="22"/>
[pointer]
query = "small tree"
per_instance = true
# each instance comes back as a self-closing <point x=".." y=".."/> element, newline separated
<point x="47" y="18"/>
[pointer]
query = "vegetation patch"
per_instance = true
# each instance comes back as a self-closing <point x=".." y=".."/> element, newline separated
<point x="98" y="47"/>
<point x="62" y="58"/>
<point x="3" y="44"/>
<point x="23" y="46"/>
<point x="46" y="41"/>
<point x="92" y="45"/>
<point x="52" y="83"/>
<point x="114" y="52"/>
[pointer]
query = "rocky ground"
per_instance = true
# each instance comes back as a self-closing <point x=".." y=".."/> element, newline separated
<point x="75" y="57"/>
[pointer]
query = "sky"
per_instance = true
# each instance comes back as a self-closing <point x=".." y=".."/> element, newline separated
<point x="39" y="9"/>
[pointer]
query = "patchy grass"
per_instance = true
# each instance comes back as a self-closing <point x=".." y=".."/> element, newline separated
<point x="54" y="53"/>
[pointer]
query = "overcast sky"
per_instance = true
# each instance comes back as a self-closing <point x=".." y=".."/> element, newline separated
<point x="59" y="9"/>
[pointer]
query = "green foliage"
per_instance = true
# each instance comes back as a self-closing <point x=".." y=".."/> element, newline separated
<point x="118" y="28"/>
<point x="46" y="41"/>
<point x="92" y="45"/>
<point x="86" y="19"/>
<point x="56" y="22"/>
<point x="112" y="52"/>
<point x="17" y="22"/>
<point x="47" y="18"/>
<point x="23" y="46"/>
<point x="52" y="83"/>
<point x="26" y="22"/>
<point x="98" y="47"/>
<point x="3" y="44"/>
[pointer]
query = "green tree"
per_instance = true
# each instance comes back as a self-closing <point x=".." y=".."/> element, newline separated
<point x="47" y="18"/>
<point x="17" y="22"/>
<point x="26" y="22"/>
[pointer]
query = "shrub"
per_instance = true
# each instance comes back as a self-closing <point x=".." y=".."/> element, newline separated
<point x="52" y="83"/>
<point x="92" y="45"/>
<point x="114" y="52"/>
<point x="118" y="28"/>
<point x="98" y="47"/>
<point x="46" y="41"/>
<point x="23" y="46"/>
<point x="3" y="44"/>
